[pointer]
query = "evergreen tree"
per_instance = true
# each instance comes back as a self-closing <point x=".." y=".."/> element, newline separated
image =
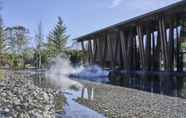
<point x="57" y="39"/>
<point x="2" y="38"/>
<point x="39" y="45"/>
<point x="2" y="44"/>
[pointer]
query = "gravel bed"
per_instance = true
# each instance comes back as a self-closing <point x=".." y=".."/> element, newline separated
<point x="121" y="102"/>
<point x="20" y="98"/>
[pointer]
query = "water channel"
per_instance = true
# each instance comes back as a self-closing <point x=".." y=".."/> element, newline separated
<point x="92" y="90"/>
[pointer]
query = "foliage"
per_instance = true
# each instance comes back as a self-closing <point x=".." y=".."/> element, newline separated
<point x="57" y="39"/>
<point x="16" y="61"/>
<point x="17" y="39"/>
<point x="183" y="45"/>
<point x="39" y="39"/>
<point x="76" y="56"/>
<point x="17" y="43"/>
<point x="60" y="101"/>
<point x="20" y="55"/>
<point x="28" y="56"/>
<point x="2" y="43"/>
<point x="2" y="74"/>
<point x="74" y="87"/>
<point x="2" y="38"/>
<point x="43" y="58"/>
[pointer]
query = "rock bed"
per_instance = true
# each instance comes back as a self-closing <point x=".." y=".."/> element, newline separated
<point x="120" y="102"/>
<point x="20" y="98"/>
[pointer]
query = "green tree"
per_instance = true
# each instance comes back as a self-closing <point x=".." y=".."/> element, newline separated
<point x="18" y="39"/>
<point x="43" y="56"/>
<point x="39" y="39"/>
<point x="28" y="57"/>
<point x="2" y="44"/>
<point x="57" y="39"/>
<point x="2" y="38"/>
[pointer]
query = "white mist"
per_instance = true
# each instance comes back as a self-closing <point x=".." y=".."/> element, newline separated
<point x="59" y="73"/>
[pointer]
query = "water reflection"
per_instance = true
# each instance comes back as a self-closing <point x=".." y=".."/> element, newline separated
<point x="72" y="108"/>
<point x="166" y="85"/>
<point x="42" y="81"/>
<point x="87" y="93"/>
<point x="113" y="99"/>
<point x="132" y="101"/>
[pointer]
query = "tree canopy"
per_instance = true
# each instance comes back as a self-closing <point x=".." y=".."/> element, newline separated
<point x="57" y="39"/>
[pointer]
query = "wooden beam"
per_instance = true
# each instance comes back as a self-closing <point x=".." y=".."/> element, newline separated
<point x="130" y="49"/>
<point x="83" y="49"/>
<point x="163" y="37"/>
<point x="82" y="46"/>
<point x="141" y="45"/>
<point x="148" y="51"/>
<point x="90" y="51"/>
<point x="104" y="44"/>
<point x="116" y="51"/>
<point x="153" y="49"/>
<point x="135" y="54"/>
<point x="94" y="51"/>
<point x="171" y="47"/>
<point x="119" y="55"/>
<point x="124" y="49"/>
<point x="156" y="64"/>
<point x="99" y="44"/>
<point x="110" y="49"/>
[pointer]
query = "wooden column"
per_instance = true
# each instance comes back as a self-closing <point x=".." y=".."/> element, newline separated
<point x="124" y="50"/>
<point x="83" y="49"/>
<point x="148" y="51"/>
<point x="100" y="45"/>
<point x="171" y="47"/>
<point x="90" y="51"/>
<point x="135" y="54"/>
<point x="178" y="51"/>
<point x="153" y="49"/>
<point x="116" y="52"/>
<point x="94" y="50"/>
<point x="163" y="37"/>
<point x="130" y="49"/>
<point x="103" y="55"/>
<point x="141" y="46"/>
<point x="182" y="40"/>
<point x="157" y="50"/>
<point x="110" y="49"/>
<point x="98" y="57"/>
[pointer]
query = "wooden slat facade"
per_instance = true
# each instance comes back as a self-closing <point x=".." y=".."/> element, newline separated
<point x="151" y="42"/>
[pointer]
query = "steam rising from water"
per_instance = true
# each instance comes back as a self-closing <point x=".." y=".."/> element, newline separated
<point x="59" y="73"/>
<point x="93" y="71"/>
<point x="61" y="68"/>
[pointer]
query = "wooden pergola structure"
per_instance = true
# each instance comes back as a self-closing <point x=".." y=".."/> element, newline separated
<point x="150" y="42"/>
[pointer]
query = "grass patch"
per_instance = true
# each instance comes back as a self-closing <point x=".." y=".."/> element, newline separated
<point x="2" y="74"/>
<point x="60" y="102"/>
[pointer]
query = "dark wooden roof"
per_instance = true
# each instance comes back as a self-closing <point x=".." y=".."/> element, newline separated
<point x="181" y="4"/>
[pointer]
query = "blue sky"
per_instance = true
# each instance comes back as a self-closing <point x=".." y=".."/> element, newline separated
<point x="80" y="16"/>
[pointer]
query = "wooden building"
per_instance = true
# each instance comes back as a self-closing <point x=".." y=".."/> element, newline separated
<point x="150" y="42"/>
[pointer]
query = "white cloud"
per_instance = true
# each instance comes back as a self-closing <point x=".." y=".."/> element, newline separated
<point x="115" y="3"/>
